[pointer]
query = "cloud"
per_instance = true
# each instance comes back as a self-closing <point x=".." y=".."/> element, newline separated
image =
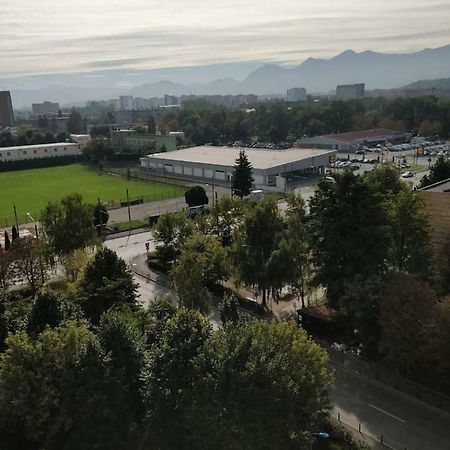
<point x="49" y="37"/>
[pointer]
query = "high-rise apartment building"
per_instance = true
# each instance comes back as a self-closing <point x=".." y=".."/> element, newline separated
<point x="350" y="91"/>
<point x="296" y="95"/>
<point x="126" y="102"/>
<point x="6" y="110"/>
<point x="45" y="108"/>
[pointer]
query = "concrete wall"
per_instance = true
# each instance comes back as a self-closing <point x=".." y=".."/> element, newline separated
<point x="437" y="205"/>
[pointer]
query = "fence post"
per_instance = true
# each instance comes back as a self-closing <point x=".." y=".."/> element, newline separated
<point x="359" y="427"/>
<point x="381" y="439"/>
<point x="339" y="416"/>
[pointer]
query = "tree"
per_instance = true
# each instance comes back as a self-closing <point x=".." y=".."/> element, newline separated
<point x="295" y="254"/>
<point x="229" y="310"/>
<point x="170" y="233"/>
<point x="75" y="122"/>
<point x="3" y="324"/>
<point x="75" y="263"/>
<point x="169" y="375"/>
<point x="196" y="196"/>
<point x="348" y="230"/>
<point x="5" y="269"/>
<point x="28" y="256"/>
<point x="122" y="345"/>
<point x="107" y="281"/>
<point x="7" y="241"/>
<point x="359" y="313"/>
<point x="430" y="128"/>
<point x="256" y="240"/>
<point x="409" y="230"/>
<point x="237" y="368"/>
<point x="101" y="216"/>
<point x="68" y="224"/>
<point x="54" y="383"/>
<point x="384" y="179"/>
<point x="139" y="128"/>
<point x="45" y="312"/>
<point x="242" y="175"/>
<point x="151" y="125"/>
<point x="14" y="233"/>
<point x="225" y="217"/>
<point x="406" y="317"/>
<point x="98" y="149"/>
<point x="439" y="171"/>
<point x="202" y="263"/>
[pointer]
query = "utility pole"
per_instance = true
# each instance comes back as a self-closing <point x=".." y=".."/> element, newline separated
<point x="128" y="204"/>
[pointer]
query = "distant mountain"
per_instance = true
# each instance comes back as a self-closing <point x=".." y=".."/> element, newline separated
<point x="441" y="84"/>
<point x="377" y="70"/>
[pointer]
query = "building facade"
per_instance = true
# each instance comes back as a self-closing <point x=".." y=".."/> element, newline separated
<point x="296" y="95"/>
<point x="126" y="102"/>
<point x="271" y="168"/>
<point x="45" y="108"/>
<point x="6" y="110"/>
<point x="26" y="152"/>
<point x="350" y="91"/>
<point x="129" y="141"/>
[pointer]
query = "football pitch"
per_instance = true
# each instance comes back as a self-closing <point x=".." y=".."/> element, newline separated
<point x="31" y="190"/>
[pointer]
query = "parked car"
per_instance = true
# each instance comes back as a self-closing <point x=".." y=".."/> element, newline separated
<point x="407" y="175"/>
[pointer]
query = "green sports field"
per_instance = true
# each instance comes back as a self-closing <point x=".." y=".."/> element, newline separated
<point x="31" y="190"/>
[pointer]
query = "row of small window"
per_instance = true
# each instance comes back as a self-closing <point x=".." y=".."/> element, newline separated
<point x="35" y="151"/>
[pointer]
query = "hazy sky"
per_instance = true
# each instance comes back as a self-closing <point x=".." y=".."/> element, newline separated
<point x="47" y="36"/>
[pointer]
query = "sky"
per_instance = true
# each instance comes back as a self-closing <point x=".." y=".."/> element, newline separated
<point x="65" y="36"/>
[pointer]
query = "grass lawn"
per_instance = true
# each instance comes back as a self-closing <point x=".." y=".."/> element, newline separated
<point x="31" y="190"/>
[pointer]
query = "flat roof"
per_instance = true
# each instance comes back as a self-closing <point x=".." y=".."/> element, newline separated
<point x="440" y="186"/>
<point x="354" y="135"/>
<point x="226" y="156"/>
<point x="31" y="147"/>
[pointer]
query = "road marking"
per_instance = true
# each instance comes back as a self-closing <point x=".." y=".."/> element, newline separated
<point x="388" y="414"/>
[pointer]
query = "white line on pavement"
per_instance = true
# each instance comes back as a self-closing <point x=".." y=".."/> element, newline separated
<point x="385" y="412"/>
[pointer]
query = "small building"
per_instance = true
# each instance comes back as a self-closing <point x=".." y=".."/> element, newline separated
<point x="352" y="141"/>
<point x="271" y="168"/>
<point x="436" y="199"/>
<point x="27" y="152"/>
<point x="81" y="139"/>
<point x="129" y="141"/>
<point x="6" y="110"/>
<point x="350" y="91"/>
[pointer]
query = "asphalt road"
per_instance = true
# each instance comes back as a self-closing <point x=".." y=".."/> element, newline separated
<point x="403" y="421"/>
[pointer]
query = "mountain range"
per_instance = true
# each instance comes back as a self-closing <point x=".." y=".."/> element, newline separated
<point x="376" y="70"/>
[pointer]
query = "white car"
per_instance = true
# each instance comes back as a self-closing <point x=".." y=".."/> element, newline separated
<point x="407" y="175"/>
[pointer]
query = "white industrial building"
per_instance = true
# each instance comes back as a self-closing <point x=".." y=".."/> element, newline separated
<point x="24" y="152"/>
<point x="271" y="168"/>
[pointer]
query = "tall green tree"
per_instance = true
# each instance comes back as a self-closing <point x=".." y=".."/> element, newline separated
<point x="409" y="230"/>
<point x="68" y="224"/>
<point x="169" y="376"/>
<point x="7" y="241"/>
<point x="54" y="383"/>
<point x="75" y="122"/>
<point x="242" y="175"/>
<point x="45" y="312"/>
<point x="255" y="242"/>
<point x="348" y="229"/>
<point x="202" y="262"/>
<point x="107" y="281"/>
<point x="238" y="366"/>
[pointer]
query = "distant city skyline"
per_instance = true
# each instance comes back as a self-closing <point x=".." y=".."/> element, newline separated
<point x="87" y="36"/>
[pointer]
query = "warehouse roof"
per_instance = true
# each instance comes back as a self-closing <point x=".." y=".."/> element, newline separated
<point x="226" y="156"/>
<point x="364" y="134"/>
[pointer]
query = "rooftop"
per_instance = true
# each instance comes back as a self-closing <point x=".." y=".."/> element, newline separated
<point x="440" y="186"/>
<point x="31" y="147"/>
<point x="226" y="156"/>
<point x="357" y="135"/>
